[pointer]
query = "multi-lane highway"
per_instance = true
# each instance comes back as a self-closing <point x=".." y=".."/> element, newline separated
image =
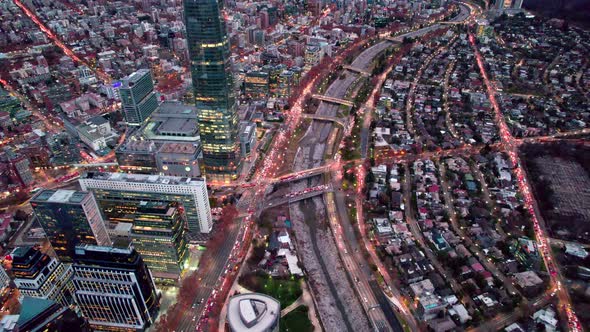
<point x="208" y="276"/>
<point x="311" y="154"/>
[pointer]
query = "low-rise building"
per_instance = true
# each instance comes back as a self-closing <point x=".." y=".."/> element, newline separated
<point x="253" y="312"/>
<point x="422" y="287"/>
<point x="168" y="143"/>
<point x="546" y="317"/>
<point x="5" y="229"/>
<point x="96" y="133"/>
<point x="576" y="250"/>
<point x="529" y="282"/>
<point x="429" y="305"/>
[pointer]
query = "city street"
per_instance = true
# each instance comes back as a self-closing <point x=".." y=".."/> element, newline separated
<point x="312" y="124"/>
<point x="473" y="247"/>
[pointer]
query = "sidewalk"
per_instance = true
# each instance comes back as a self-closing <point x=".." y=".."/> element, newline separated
<point x="292" y="306"/>
<point x="305" y="299"/>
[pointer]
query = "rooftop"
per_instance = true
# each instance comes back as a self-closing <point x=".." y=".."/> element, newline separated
<point x="60" y="196"/>
<point x="82" y="249"/>
<point x="183" y="126"/>
<point x="135" y="77"/>
<point x="184" y="148"/>
<point x="528" y="279"/>
<point x="97" y="120"/>
<point x="253" y="312"/>
<point x="32" y="307"/>
<point x="136" y="143"/>
<point x="20" y="251"/>
<point x="142" y="178"/>
<point x="171" y="108"/>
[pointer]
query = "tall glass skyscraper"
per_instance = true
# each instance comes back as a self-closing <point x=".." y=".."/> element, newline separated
<point x="213" y="88"/>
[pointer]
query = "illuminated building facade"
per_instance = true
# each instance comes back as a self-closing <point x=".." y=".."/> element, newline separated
<point x="256" y="84"/>
<point x="157" y="232"/>
<point x="114" y="288"/>
<point x="38" y="275"/>
<point x="138" y="98"/>
<point x="286" y="82"/>
<point x="191" y="193"/>
<point x="213" y="89"/>
<point x="69" y="218"/>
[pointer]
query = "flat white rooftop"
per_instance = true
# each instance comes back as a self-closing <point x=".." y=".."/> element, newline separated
<point x="143" y="178"/>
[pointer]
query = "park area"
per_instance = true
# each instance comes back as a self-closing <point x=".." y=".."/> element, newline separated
<point x="285" y="291"/>
<point x="296" y="320"/>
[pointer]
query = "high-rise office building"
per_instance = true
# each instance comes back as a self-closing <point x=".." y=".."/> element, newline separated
<point x="138" y="97"/>
<point x="191" y="193"/>
<point x="43" y="315"/>
<point x="69" y="218"/>
<point x="114" y="288"/>
<point x="38" y="275"/>
<point x="159" y="235"/>
<point x="213" y="88"/>
<point x="157" y="231"/>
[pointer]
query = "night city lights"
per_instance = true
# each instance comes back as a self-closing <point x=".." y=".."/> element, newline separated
<point x="277" y="165"/>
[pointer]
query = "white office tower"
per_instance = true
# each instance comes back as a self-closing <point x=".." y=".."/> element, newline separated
<point x="190" y="192"/>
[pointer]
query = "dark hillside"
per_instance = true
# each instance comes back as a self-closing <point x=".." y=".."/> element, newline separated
<point x="574" y="11"/>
